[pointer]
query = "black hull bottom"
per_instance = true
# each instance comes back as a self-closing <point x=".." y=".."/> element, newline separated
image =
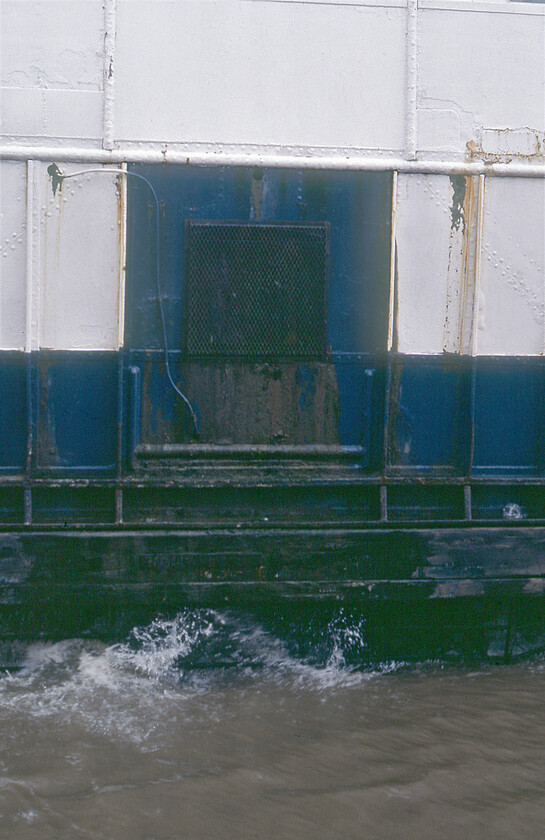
<point x="448" y="592"/>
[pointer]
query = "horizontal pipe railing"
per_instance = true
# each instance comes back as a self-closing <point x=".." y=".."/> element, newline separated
<point x="304" y="160"/>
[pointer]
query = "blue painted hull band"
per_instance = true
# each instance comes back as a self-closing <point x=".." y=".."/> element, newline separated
<point x="76" y="416"/>
<point x="73" y="411"/>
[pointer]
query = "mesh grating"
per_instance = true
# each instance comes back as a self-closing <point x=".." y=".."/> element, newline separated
<point x="256" y="289"/>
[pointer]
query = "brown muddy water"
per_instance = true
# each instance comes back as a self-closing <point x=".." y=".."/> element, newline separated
<point x="209" y="726"/>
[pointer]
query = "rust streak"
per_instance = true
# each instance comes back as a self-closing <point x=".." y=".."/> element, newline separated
<point x="120" y="188"/>
<point x="468" y="273"/>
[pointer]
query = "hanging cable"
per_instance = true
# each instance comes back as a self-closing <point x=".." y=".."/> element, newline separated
<point x="58" y="177"/>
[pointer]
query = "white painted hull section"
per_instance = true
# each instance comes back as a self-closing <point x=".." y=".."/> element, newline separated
<point x="434" y="87"/>
<point x="344" y="77"/>
<point x="470" y="281"/>
<point x="71" y="254"/>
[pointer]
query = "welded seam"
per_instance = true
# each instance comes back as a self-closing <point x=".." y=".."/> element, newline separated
<point x="108" y="116"/>
<point x="29" y="253"/>
<point x="122" y="233"/>
<point x="478" y="266"/>
<point x="411" y="76"/>
<point x="393" y="259"/>
<point x="29" y="292"/>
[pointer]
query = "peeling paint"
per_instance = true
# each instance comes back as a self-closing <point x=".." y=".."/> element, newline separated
<point x="56" y="177"/>
<point x="257" y="403"/>
<point x="458" y="183"/>
<point x="257" y="193"/>
<point x="504" y="145"/>
<point x="462" y="257"/>
<point x="459" y="589"/>
<point x="534" y="586"/>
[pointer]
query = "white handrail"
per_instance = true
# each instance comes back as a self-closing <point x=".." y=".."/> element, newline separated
<point x="307" y="159"/>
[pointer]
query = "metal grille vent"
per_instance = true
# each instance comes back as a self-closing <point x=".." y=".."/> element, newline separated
<point x="256" y="289"/>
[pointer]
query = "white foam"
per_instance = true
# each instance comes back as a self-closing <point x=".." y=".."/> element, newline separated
<point x="171" y="668"/>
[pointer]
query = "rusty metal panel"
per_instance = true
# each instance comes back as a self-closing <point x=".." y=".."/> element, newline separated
<point x="243" y="402"/>
<point x="256" y="289"/>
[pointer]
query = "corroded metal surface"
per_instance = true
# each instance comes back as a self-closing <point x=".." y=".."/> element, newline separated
<point x="245" y="402"/>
